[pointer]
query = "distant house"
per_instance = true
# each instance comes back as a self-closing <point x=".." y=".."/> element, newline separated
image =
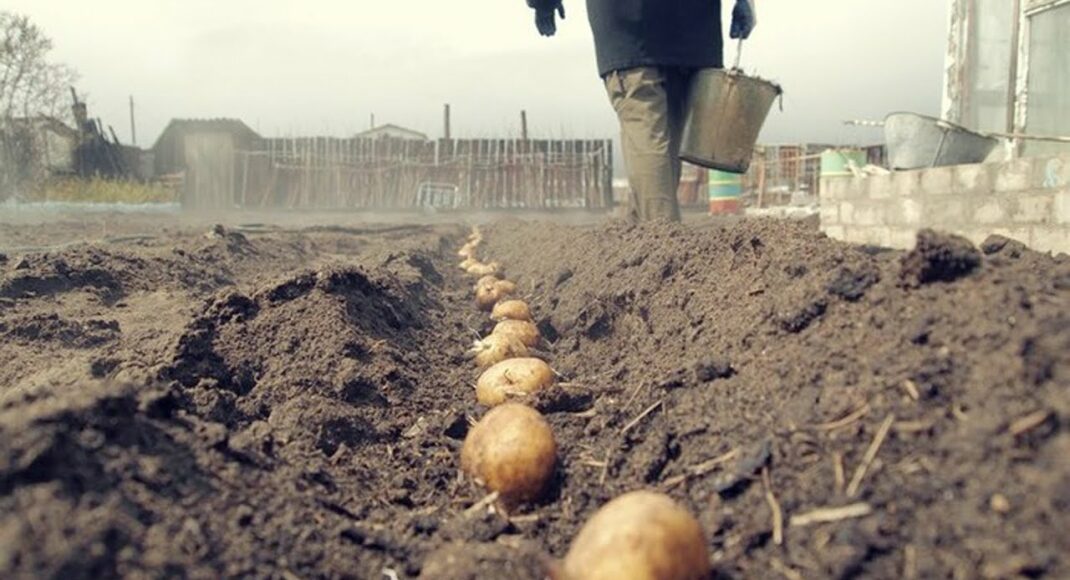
<point x="391" y="132"/>
<point x="51" y="142"/>
<point x="184" y="138"/>
<point x="33" y="149"/>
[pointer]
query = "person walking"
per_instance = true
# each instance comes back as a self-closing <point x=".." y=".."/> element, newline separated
<point x="647" y="51"/>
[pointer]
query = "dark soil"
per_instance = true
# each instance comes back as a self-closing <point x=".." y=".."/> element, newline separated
<point x="291" y="404"/>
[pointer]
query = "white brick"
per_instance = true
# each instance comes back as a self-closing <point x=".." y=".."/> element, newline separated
<point x="830" y="213"/>
<point x="880" y="186"/>
<point x="902" y="239"/>
<point x="906" y="183"/>
<point x="1035" y="209"/>
<point x="937" y="181"/>
<point x="835" y="232"/>
<point x="847" y="213"/>
<point x="908" y="213"/>
<point x="1014" y="176"/>
<point x="869" y="215"/>
<point x="974" y="179"/>
<point x="832" y="188"/>
<point x="1062" y="207"/>
<point x="873" y="236"/>
<point x="855" y="188"/>
<point x="851" y="188"/>
<point x="990" y="212"/>
<point x="943" y="213"/>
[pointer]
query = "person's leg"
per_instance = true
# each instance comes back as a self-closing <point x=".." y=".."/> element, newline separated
<point x="641" y="101"/>
<point x="677" y="88"/>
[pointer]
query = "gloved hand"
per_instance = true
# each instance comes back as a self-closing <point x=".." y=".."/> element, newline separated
<point x="545" y="19"/>
<point x="744" y="19"/>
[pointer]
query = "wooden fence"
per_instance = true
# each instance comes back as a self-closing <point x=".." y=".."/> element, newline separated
<point x="326" y="173"/>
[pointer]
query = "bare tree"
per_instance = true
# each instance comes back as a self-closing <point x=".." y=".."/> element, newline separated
<point x="31" y="86"/>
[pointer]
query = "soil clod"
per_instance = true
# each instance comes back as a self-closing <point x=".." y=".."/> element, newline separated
<point x="292" y="403"/>
<point x="938" y="257"/>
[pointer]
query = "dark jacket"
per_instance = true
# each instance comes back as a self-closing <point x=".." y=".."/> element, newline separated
<point x="634" y="33"/>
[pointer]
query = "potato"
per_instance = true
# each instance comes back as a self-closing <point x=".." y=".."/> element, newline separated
<point x="515" y="377"/>
<point x="495" y="349"/>
<point x="524" y="331"/>
<point x="467" y="251"/>
<point x="490" y="294"/>
<point x="511" y="310"/>
<point x="639" y="536"/>
<point x="479" y="269"/>
<point x="487" y="281"/>
<point x="467" y="263"/>
<point x="511" y="451"/>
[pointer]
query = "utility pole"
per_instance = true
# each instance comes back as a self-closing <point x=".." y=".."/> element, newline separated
<point x="446" y="132"/>
<point x="133" y="124"/>
<point x="524" y="125"/>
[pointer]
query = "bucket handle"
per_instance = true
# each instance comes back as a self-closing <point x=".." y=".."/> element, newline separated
<point x="738" y="69"/>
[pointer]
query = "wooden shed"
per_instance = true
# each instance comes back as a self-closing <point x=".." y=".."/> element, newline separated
<point x="205" y="151"/>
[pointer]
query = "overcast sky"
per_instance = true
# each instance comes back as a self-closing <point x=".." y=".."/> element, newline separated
<point x="321" y="67"/>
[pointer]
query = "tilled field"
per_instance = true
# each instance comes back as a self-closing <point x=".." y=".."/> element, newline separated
<point x="291" y="404"/>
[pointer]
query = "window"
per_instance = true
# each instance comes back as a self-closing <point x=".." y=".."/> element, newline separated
<point x="988" y="72"/>
<point x="1049" y="79"/>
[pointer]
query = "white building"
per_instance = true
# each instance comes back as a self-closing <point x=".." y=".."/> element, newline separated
<point x="1008" y="69"/>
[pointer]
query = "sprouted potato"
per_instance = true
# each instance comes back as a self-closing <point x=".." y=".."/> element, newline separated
<point x="511" y="451"/>
<point x="514" y="377"/>
<point x="488" y="295"/>
<point x="511" y="310"/>
<point x="487" y="281"/>
<point x="497" y="348"/>
<point x="525" y="331"/>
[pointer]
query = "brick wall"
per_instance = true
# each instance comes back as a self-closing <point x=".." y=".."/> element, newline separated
<point x="1024" y="199"/>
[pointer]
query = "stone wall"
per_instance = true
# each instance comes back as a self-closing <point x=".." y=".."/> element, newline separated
<point x="1026" y="199"/>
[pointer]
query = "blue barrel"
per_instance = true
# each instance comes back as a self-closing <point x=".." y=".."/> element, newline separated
<point x="725" y="192"/>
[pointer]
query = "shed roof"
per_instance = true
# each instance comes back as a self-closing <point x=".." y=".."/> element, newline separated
<point x="187" y="126"/>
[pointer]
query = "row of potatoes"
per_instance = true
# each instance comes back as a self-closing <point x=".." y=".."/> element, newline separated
<point x="512" y="452"/>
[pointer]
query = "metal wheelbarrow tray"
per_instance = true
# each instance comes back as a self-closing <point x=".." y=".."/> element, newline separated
<point x="917" y="142"/>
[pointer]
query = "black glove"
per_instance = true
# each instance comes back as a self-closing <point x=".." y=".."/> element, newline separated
<point x="744" y="19"/>
<point x="545" y="18"/>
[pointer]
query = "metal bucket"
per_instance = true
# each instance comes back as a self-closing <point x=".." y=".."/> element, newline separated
<point x="726" y="111"/>
<point x="917" y="142"/>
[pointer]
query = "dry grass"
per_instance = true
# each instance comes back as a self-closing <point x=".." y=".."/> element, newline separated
<point x="98" y="190"/>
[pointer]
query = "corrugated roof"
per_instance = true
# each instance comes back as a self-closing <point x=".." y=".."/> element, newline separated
<point x="221" y="125"/>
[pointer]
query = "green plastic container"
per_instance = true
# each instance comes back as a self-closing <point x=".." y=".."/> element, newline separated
<point x="836" y="162"/>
